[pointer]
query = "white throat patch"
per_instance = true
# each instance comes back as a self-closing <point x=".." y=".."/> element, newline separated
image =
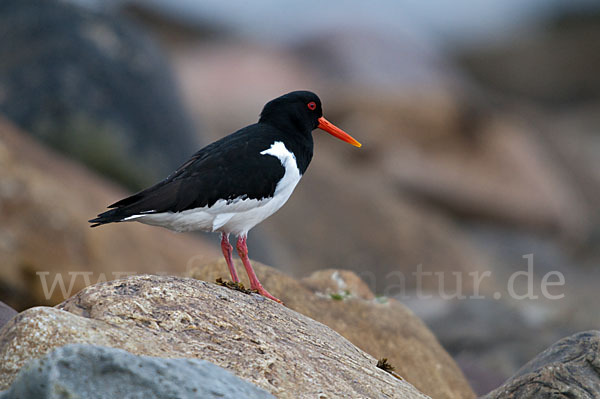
<point x="288" y="161"/>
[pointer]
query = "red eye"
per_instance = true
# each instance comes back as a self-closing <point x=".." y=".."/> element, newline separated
<point x="312" y="105"/>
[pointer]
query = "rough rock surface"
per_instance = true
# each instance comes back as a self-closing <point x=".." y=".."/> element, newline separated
<point x="257" y="339"/>
<point x="45" y="202"/>
<point x="93" y="86"/>
<point x="568" y="369"/>
<point x="381" y="327"/>
<point x="95" y="372"/>
<point x="6" y="313"/>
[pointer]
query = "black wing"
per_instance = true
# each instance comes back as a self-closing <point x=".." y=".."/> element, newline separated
<point x="226" y="169"/>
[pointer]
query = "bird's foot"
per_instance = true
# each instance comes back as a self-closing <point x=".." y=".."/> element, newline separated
<point x="237" y="286"/>
<point x="260" y="290"/>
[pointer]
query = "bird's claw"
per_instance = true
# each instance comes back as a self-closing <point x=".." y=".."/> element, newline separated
<point x="266" y="294"/>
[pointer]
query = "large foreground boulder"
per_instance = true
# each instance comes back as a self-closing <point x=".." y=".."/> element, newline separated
<point x="569" y="369"/>
<point x="96" y="372"/>
<point x="382" y="327"/>
<point x="261" y="341"/>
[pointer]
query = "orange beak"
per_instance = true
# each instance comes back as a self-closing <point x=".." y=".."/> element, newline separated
<point x="332" y="129"/>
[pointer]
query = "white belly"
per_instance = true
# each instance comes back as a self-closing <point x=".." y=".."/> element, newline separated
<point x="236" y="216"/>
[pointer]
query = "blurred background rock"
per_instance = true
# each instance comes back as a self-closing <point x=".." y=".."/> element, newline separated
<point x="480" y="123"/>
<point x="93" y="86"/>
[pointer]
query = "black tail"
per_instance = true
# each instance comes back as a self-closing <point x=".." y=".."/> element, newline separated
<point x="117" y="214"/>
<point x="111" y="216"/>
<point x="151" y="200"/>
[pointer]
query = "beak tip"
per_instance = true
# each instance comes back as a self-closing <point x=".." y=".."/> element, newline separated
<point x="330" y="128"/>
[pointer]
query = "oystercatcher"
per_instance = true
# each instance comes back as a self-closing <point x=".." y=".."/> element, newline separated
<point x="236" y="182"/>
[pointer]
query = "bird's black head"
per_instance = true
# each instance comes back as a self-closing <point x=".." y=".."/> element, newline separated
<point x="299" y="110"/>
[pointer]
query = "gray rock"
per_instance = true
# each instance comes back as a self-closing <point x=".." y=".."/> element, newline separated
<point x="6" y="313"/>
<point x="88" y="371"/>
<point x="568" y="369"/>
<point x="94" y="86"/>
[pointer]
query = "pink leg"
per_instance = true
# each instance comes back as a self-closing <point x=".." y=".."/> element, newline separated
<point x="254" y="283"/>
<point x="227" y="251"/>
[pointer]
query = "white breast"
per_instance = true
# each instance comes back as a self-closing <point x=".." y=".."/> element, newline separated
<point x="237" y="216"/>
